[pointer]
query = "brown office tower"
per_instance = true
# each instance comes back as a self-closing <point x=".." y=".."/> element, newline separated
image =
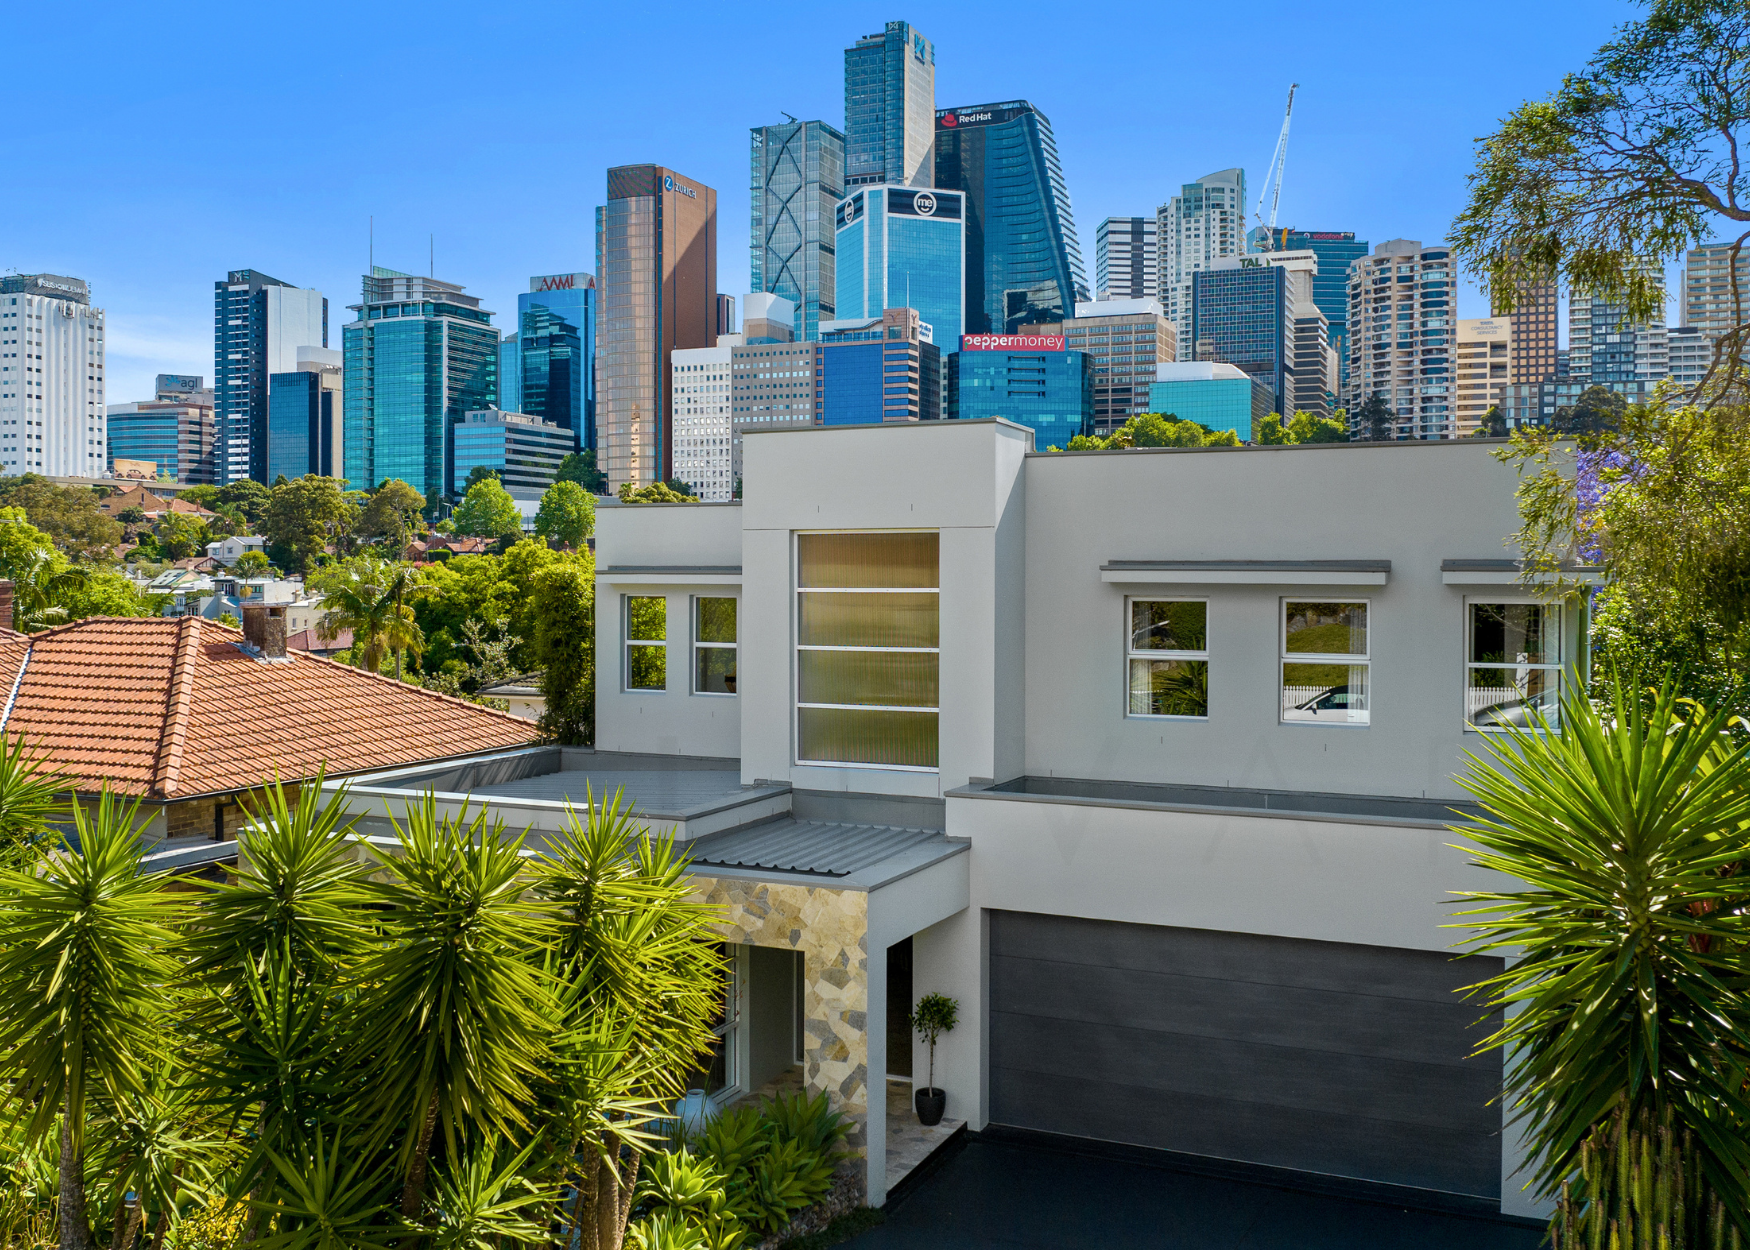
<point x="656" y="257"/>
<point x="1532" y="328"/>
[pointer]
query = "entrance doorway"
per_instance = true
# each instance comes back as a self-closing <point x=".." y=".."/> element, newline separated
<point x="899" y="1010"/>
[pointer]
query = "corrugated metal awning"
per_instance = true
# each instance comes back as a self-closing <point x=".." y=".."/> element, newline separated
<point x="823" y="848"/>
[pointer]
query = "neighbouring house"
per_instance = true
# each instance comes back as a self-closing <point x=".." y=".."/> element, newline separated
<point x="227" y="550"/>
<point x="522" y="693"/>
<point x="192" y="717"/>
<point x="425" y="550"/>
<point x="1146" y="757"/>
<point x="151" y="503"/>
<point x="312" y="642"/>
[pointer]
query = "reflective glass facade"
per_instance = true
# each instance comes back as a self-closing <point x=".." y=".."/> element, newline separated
<point x="1049" y="390"/>
<point x="178" y="438"/>
<point x="510" y="373"/>
<point x="1219" y="403"/>
<point x="900" y="248"/>
<point x="556" y="356"/>
<point x="524" y="452"/>
<point x="300" y="426"/>
<point x="878" y="370"/>
<point x="1023" y="261"/>
<point x="798" y="178"/>
<point x="1336" y="251"/>
<point x="890" y="105"/>
<point x="420" y="355"/>
<point x="258" y="323"/>
<point x="1241" y="317"/>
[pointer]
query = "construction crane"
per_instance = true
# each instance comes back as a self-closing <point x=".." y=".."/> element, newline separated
<point x="1273" y="183"/>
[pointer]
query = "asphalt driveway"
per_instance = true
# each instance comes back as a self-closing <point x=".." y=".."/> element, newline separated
<point x="992" y="1192"/>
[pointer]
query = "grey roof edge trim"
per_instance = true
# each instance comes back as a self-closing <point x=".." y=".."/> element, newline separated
<point x="511" y="802"/>
<point x="189" y="856"/>
<point x="1281" y="447"/>
<point x="611" y="501"/>
<point x="669" y="568"/>
<point x="1248" y="566"/>
<point x="1328" y="818"/>
<point x="1509" y="566"/>
<point x="858" y="882"/>
<point x="945" y="423"/>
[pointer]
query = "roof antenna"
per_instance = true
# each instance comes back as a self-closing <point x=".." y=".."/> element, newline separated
<point x="373" y="251"/>
<point x="431" y="259"/>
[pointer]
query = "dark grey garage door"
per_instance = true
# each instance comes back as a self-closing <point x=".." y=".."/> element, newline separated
<point x="1319" y="1056"/>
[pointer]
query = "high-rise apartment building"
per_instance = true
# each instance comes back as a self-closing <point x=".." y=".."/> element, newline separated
<point x="1690" y="353"/>
<point x="1205" y="221"/>
<point x="890" y="108"/>
<point x="798" y="180"/>
<point x="899" y="247"/>
<point x="555" y="354"/>
<point x="172" y="432"/>
<point x="1402" y="332"/>
<point x="704" y="434"/>
<point x="1023" y="260"/>
<point x="1127" y="263"/>
<point x="1532" y="325"/>
<point x="1707" y="300"/>
<point x="656" y="266"/>
<point x="1484" y="369"/>
<point x="1336" y="250"/>
<point x="421" y="354"/>
<point x="53" y="417"/>
<point x="1606" y="348"/>
<point x="306" y="417"/>
<point x="1125" y="339"/>
<point x="259" y="323"/>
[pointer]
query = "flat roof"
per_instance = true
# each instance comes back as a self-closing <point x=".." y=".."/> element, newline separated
<point x="1372" y="809"/>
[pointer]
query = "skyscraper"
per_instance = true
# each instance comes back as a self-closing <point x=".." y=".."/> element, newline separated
<point x="306" y="417"/>
<point x="51" y="378"/>
<point x="1532" y="324"/>
<point x="1606" y="348"/>
<point x="555" y="338"/>
<point x="890" y="108"/>
<point x="1336" y="251"/>
<point x="1125" y="339"/>
<point x="1127" y="263"/>
<point x="1023" y="261"/>
<point x="1402" y="333"/>
<point x="798" y="180"/>
<point x="259" y="323"/>
<point x="1242" y="313"/>
<point x="656" y="261"/>
<point x="1484" y="360"/>
<point x="420" y="356"/>
<point x="1206" y="220"/>
<point x="704" y="435"/>
<point x="903" y="248"/>
<point x="1707" y="299"/>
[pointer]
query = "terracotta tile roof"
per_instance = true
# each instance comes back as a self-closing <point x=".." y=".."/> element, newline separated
<point x="149" y="502"/>
<point x="312" y="640"/>
<point x="173" y="708"/>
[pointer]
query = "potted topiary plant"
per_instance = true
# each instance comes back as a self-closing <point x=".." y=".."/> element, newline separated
<point x="935" y="1015"/>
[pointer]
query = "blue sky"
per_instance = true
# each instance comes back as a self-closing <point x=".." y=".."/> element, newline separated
<point x="179" y="141"/>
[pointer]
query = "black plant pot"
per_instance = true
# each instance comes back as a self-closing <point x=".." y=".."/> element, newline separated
<point x="931" y="1104"/>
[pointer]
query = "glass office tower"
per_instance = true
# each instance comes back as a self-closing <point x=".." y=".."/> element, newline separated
<point x="306" y="414"/>
<point x="258" y="325"/>
<point x="510" y="373"/>
<point x="798" y="179"/>
<point x="1023" y="262"/>
<point x="903" y="248"/>
<point x="1030" y="379"/>
<point x="420" y="355"/>
<point x="890" y="107"/>
<point x="1336" y="251"/>
<point x="556" y="353"/>
<point x="1242" y="316"/>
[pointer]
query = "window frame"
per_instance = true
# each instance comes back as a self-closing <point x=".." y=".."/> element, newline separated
<point x="1284" y="657"/>
<point x="1555" y="629"/>
<point x="1131" y="654"/>
<point x="693" y="616"/>
<point x="797" y="590"/>
<point x="627" y="642"/>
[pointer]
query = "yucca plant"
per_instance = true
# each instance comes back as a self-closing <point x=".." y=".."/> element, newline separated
<point x="31" y="798"/>
<point x="85" y="975"/>
<point x="1625" y="988"/>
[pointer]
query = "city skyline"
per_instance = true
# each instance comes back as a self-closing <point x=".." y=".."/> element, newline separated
<point x="148" y="243"/>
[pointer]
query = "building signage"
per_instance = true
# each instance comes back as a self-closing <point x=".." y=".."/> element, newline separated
<point x="850" y="210"/>
<point x="981" y="115"/>
<point x="908" y="203"/>
<point x="563" y="282"/>
<point x="1011" y="342"/>
<point x="680" y="188"/>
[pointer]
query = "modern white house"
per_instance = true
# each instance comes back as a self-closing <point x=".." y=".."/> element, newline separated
<point x="1146" y="757"/>
<point x="227" y="550"/>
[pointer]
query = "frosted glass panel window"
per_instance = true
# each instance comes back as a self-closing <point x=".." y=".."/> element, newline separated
<point x="646" y="642"/>
<point x="1325" y="669"/>
<point x="867" y="663"/>
<point x="1513" y="675"/>
<point x="1169" y="657"/>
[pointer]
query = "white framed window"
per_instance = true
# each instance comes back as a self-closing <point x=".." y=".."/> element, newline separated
<point x="714" y="644"/>
<point x="723" y="1073"/>
<point x="867" y="648"/>
<point x="646" y="626"/>
<point x="1326" y="677"/>
<point x="1512" y="664"/>
<point x="1167" y="658"/>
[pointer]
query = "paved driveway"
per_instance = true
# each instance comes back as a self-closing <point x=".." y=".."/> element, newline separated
<point x="996" y="1193"/>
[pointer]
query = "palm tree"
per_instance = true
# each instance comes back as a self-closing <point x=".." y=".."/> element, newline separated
<point x="455" y="1009"/>
<point x="1625" y="995"/>
<point x="42" y="582"/>
<point x="85" y="977"/>
<point x="368" y="595"/>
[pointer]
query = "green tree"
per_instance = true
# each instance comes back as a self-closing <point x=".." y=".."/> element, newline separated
<point x="1635" y="156"/>
<point x="1624" y="988"/>
<point x="1493" y="424"/>
<point x="1377" y="422"/>
<point x="247" y="495"/>
<point x="302" y="519"/>
<point x="1307" y="428"/>
<point x="488" y="511"/>
<point x="394" y="514"/>
<point x="566" y="515"/>
<point x="181" y="535"/>
<point x="71" y="518"/>
<point x="656" y="492"/>
<point x="201" y="496"/>
<point x="44" y="584"/>
<point x="85" y="974"/>
<point x="580" y="467"/>
<point x="251" y="563"/>
<point x="476" y="475"/>
<point x="371" y="597"/>
<point x="1597" y="410"/>
<point x="563" y="610"/>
